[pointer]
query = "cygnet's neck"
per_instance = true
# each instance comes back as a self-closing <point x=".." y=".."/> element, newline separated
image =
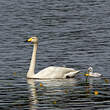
<point x="91" y="72"/>
<point x="30" y="72"/>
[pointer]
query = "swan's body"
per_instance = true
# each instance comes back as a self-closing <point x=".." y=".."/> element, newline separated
<point x="91" y="73"/>
<point x="49" y="72"/>
<point x="55" y="72"/>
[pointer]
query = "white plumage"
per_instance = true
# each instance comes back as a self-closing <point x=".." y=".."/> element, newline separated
<point x="91" y="73"/>
<point x="49" y="72"/>
<point x="56" y="72"/>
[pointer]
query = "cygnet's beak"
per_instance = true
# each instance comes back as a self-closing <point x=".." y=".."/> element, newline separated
<point x="29" y="40"/>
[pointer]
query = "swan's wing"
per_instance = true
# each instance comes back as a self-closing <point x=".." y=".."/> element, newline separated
<point x="56" y="72"/>
<point x="45" y="73"/>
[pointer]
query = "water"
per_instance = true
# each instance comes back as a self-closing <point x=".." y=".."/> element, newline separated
<point x="74" y="33"/>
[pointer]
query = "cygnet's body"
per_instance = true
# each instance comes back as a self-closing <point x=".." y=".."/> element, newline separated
<point x="91" y="73"/>
<point x="49" y="72"/>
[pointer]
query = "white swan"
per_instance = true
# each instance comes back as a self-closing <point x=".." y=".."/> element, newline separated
<point x="49" y="72"/>
<point x="91" y="73"/>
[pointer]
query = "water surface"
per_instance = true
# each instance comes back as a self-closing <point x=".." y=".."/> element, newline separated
<point x="74" y="33"/>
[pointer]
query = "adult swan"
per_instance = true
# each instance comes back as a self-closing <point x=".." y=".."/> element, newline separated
<point x="49" y="72"/>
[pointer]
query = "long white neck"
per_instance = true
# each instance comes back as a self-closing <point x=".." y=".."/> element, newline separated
<point x="30" y="72"/>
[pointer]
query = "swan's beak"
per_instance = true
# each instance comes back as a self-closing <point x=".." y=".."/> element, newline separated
<point x="29" y="40"/>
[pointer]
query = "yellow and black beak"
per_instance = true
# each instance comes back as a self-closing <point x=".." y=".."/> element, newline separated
<point x="29" y="40"/>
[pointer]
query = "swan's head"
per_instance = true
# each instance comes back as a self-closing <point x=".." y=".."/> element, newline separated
<point x="90" y="70"/>
<point x="33" y="40"/>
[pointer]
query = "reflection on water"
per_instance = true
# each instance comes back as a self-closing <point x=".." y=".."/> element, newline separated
<point x="72" y="94"/>
<point x="20" y="93"/>
<point x="33" y="96"/>
<point x="50" y="90"/>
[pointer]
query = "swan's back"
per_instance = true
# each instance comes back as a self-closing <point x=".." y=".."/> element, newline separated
<point x="56" y="72"/>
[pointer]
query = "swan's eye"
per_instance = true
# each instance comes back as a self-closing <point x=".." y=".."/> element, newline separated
<point x="33" y="38"/>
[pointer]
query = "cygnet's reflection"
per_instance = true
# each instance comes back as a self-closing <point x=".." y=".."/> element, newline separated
<point x="92" y="85"/>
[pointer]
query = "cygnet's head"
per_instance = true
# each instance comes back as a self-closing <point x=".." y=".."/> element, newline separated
<point x="33" y="40"/>
<point x="90" y="69"/>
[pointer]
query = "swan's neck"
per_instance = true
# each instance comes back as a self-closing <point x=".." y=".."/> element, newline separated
<point x="30" y="72"/>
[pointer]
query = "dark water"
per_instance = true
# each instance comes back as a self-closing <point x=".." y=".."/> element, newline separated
<point x="74" y="33"/>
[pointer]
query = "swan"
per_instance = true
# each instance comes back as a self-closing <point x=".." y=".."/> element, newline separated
<point x="91" y="73"/>
<point x="49" y="72"/>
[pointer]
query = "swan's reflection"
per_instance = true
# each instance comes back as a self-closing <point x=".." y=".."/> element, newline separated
<point x="58" y="84"/>
<point x="33" y="96"/>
